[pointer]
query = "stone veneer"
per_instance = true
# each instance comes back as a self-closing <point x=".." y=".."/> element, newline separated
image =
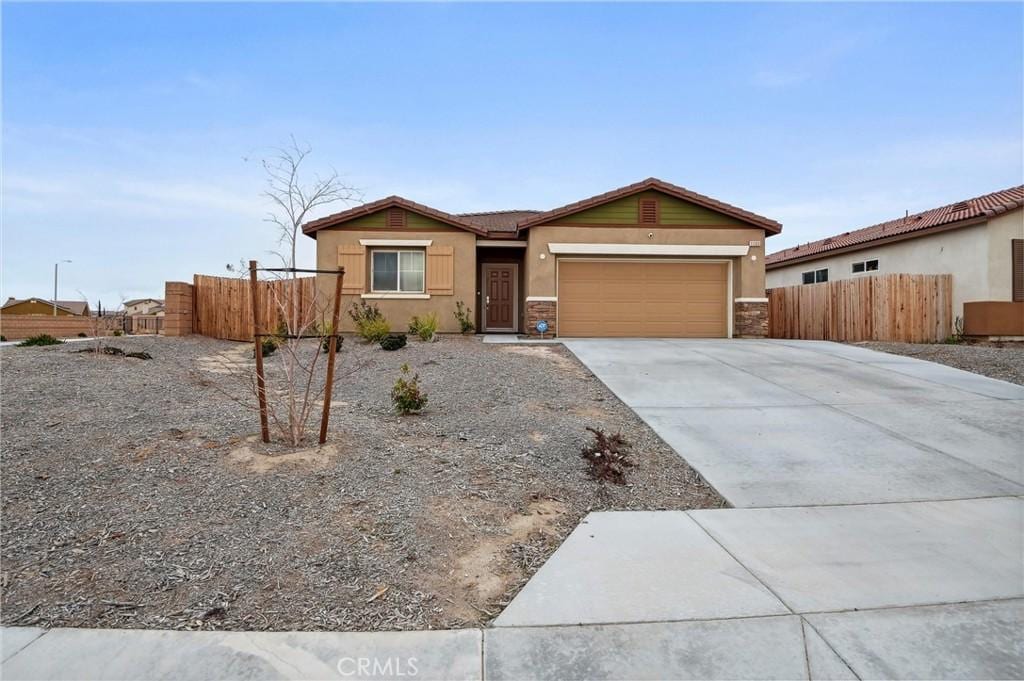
<point x="541" y="309"/>
<point x="750" y="320"/>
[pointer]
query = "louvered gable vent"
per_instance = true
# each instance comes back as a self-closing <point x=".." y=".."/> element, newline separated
<point x="396" y="218"/>
<point x="648" y="211"/>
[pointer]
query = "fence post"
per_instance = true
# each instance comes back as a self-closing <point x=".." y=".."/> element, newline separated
<point x="261" y="385"/>
<point x="331" y="352"/>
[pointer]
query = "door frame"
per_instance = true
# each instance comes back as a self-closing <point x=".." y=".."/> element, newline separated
<point x="729" y="303"/>
<point x="484" y="267"/>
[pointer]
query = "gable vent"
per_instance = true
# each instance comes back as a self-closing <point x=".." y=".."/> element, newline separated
<point x="648" y="211"/>
<point x="396" y="218"/>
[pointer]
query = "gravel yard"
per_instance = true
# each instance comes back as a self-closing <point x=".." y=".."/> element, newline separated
<point x="136" y="494"/>
<point x="1004" y="361"/>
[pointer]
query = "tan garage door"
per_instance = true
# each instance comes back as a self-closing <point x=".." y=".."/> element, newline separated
<point x="653" y="299"/>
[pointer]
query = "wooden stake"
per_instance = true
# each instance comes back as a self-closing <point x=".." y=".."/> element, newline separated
<point x="261" y="385"/>
<point x="332" y="350"/>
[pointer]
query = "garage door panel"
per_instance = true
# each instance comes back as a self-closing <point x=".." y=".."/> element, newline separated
<point x="637" y="299"/>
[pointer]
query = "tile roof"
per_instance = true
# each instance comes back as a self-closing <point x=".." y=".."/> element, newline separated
<point x="387" y="202"/>
<point x="498" y="220"/>
<point x="505" y="223"/>
<point x="967" y="211"/>
<point x="77" y="307"/>
<point x="664" y="187"/>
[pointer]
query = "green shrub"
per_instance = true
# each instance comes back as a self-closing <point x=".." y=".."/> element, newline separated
<point x="374" y="330"/>
<point x="465" y="317"/>
<point x="393" y="341"/>
<point x="41" y="339"/>
<point x="268" y="346"/>
<point x="82" y="334"/>
<point x="425" y="327"/>
<point x="407" y="396"/>
<point x="3" y="339"/>
<point x="118" y="332"/>
<point x="362" y="311"/>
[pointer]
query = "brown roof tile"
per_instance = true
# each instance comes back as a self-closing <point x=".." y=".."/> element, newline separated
<point x="662" y="186"/>
<point x="498" y="220"/>
<point x="374" y="206"/>
<point x="967" y="212"/>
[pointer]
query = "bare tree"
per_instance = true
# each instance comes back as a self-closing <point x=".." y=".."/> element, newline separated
<point x="294" y="200"/>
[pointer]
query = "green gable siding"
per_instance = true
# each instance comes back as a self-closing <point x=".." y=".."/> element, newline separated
<point x="625" y="212"/>
<point x="413" y="222"/>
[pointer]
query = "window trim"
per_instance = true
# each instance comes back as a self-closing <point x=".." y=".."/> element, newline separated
<point x="398" y="272"/>
<point x="814" y="273"/>
<point x="864" y="266"/>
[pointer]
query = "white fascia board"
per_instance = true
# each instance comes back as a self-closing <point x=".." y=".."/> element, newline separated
<point x="649" y="249"/>
<point x="501" y="243"/>
<point x="396" y="242"/>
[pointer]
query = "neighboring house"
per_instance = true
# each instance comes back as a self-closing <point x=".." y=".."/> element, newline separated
<point x="649" y="260"/>
<point x="41" y="306"/>
<point x="979" y="241"/>
<point x="143" y="306"/>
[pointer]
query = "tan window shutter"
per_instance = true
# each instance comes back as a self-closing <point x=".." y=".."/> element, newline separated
<point x="1018" y="270"/>
<point x="353" y="258"/>
<point x="648" y="211"/>
<point x="441" y="270"/>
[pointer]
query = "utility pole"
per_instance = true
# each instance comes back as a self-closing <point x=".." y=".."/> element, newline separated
<point x="55" y="265"/>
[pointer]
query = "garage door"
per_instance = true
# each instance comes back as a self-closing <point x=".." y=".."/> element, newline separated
<point x="654" y="299"/>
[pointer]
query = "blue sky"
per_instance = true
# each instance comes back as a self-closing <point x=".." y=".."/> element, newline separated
<point x="132" y="133"/>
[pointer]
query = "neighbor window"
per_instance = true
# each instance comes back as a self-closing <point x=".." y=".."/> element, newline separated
<point x="397" y="271"/>
<point x="815" y="276"/>
<point x="865" y="266"/>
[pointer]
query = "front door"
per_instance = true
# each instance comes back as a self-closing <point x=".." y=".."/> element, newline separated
<point x="500" y="296"/>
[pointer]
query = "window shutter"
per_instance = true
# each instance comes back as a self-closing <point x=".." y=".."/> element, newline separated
<point x="441" y="270"/>
<point x="353" y="258"/>
<point x="396" y="218"/>
<point x="1018" y="270"/>
<point x="648" y="211"/>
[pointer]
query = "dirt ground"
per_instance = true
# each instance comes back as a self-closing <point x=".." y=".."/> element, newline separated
<point x="1002" y="360"/>
<point x="137" y="494"/>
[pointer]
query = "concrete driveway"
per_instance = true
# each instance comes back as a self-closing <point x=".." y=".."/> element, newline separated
<point x="799" y="423"/>
<point x="877" y="534"/>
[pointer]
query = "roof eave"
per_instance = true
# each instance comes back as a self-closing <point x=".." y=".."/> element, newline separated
<point x="881" y="241"/>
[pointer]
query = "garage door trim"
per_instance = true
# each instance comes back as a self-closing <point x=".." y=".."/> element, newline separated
<point x="728" y="279"/>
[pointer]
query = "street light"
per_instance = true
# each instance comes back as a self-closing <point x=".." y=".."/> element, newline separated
<point x="55" y="265"/>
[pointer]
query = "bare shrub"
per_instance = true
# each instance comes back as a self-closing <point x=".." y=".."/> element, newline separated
<point x="608" y="456"/>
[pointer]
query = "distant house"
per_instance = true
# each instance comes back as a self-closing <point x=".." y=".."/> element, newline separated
<point x="41" y="306"/>
<point x="143" y="306"/>
<point x="979" y="241"/>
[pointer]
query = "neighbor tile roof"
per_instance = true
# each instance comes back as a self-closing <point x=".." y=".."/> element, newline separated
<point x="73" y="306"/>
<point x="968" y="211"/>
<point x="498" y="220"/>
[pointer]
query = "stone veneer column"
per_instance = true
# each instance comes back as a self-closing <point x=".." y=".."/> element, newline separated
<point x="541" y="309"/>
<point x="750" y="318"/>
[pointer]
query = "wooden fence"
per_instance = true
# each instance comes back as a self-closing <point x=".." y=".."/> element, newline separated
<point x="222" y="307"/>
<point x="911" y="308"/>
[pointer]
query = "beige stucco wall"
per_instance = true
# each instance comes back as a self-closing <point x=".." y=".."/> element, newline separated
<point x="748" y="270"/>
<point x="398" y="311"/>
<point x="1002" y="230"/>
<point x="977" y="256"/>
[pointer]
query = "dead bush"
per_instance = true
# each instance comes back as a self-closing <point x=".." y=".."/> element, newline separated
<point x="608" y="456"/>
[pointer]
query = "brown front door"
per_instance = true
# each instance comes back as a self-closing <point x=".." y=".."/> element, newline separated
<point x="500" y="295"/>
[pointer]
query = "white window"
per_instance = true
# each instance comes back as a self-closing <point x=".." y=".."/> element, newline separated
<point x="865" y="266"/>
<point x="815" y="276"/>
<point x="396" y="271"/>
